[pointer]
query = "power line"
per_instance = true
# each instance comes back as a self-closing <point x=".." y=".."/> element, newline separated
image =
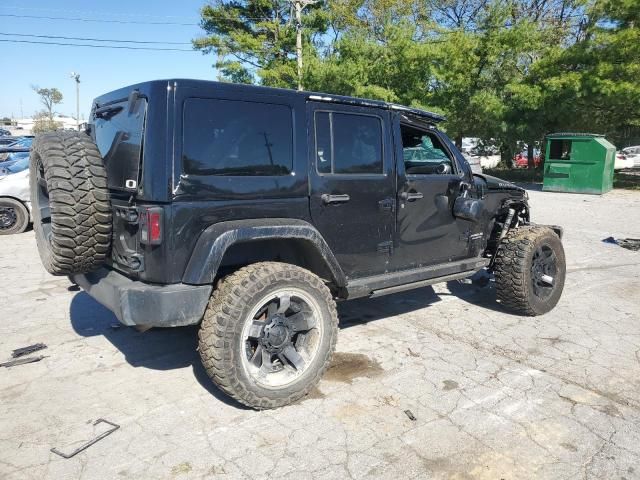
<point x="78" y="19"/>
<point x="92" y="39"/>
<point x="131" y="22"/>
<point x="84" y="12"/>
<point x="97" y="46"/>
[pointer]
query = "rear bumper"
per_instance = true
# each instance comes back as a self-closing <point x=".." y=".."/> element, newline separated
<point x="138" y="303"/>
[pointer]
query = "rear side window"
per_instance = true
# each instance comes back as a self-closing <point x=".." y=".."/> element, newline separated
<point x="229" y="137"/>
<point x="348" y="143"/>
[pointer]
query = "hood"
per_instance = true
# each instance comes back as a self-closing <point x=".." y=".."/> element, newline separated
<point x="495" y="183"/>
<point x="16" y="185"/>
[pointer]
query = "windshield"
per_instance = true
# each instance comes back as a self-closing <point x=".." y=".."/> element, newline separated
<point x="23" y="142"/>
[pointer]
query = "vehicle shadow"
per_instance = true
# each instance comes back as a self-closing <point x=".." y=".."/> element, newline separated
<point x="156" y="349"/>
<point x="171" y="348"/>
<point x="364" y="310"/>
<point x="478" y="290"/>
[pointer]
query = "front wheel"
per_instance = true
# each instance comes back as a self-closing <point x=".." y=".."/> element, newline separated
<point x="530" y="270"/>
<point x="268" y="334"/>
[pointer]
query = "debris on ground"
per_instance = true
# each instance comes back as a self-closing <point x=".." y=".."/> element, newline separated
<point x="410" y="414"/>
<point x="21" y="361"/>
<point x="115" y="326"/>
<point x="90" y="442"/>
<point x="628" y="243"/>
<point x="21" y="352"/>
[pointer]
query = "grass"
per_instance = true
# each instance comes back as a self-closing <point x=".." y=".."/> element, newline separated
<point x="624" y="180"/>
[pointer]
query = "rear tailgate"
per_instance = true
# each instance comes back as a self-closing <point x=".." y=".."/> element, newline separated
<point x="118" y="130"/>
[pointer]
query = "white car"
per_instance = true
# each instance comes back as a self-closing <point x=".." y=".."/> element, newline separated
<point x="468" y="143"/>
<point x="474" y="163"/>
<point x="632" y="155"/>
<point x="487" y="157"/>
<point x="15" y="204"/>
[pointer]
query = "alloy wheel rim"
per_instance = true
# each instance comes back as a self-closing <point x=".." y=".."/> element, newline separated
<point x="544" y="271"/>
<point x="281" y="338"/>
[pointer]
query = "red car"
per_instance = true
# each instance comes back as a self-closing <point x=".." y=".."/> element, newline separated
<point x="521" y="160"/>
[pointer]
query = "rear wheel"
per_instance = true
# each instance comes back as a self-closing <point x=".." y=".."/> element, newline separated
<point x="14" y="216"/>
<point x="268" y="334"/>
<point x="530" y="270"/>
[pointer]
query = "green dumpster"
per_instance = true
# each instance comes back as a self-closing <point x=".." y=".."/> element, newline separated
<point x="579" y="163"/>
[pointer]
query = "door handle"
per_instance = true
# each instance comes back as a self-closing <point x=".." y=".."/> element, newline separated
<point x="411" y="196"/>
<point x="329" y="199"/>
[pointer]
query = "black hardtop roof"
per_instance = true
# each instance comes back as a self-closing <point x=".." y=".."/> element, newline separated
<point x="314" y="96"/>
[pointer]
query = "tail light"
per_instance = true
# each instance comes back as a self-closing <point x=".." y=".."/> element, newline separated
<point x="151" y="226"/>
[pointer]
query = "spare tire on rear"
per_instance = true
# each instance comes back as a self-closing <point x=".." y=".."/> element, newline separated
<point x="70" y="200"/>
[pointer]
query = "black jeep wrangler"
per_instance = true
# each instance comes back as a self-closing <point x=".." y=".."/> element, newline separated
<point x="252" y="210"/>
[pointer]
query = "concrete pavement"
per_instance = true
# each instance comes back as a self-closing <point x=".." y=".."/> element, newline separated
<point x="495" y="396"/>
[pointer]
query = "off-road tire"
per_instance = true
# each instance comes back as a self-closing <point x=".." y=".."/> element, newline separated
<point x="20" y="214"/>
<point x="79" y="237"/>
<point x="220" y="335"/>
<point x="512" y="269"/>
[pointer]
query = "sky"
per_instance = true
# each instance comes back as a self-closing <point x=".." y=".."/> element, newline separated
<point x="101" y="70"/>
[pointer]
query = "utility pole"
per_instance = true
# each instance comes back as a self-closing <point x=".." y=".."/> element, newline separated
<point x="76" y="77"/>
<point x="298" y="5"/>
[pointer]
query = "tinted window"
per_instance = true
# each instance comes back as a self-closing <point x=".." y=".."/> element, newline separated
<point x="348" y="143"/>
<point x="323" y="142"/>
<point x="227" y="137"/>
<point x="423" y="152"/>
<point x="118" y="134"/>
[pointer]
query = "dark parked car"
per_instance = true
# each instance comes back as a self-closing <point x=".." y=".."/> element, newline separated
<point x="251" y="210"/>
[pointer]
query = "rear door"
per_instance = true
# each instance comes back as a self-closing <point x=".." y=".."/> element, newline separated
<point x="352" y="184"/>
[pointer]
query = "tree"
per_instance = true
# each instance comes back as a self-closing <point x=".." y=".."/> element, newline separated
<point x="49" y="97"/>
<point x="506" y="71"/>
<point x="42" y="122"/>
<point x="592" y="85"/>
<point x="255" y="40"/>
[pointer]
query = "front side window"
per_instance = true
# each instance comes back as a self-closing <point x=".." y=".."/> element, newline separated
<point x="229" y="137"/>
<point x="348" y="143"/>
<point x="423" y="152"/>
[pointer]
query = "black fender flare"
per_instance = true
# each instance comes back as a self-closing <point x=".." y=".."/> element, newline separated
<point x="217" y="238"/>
